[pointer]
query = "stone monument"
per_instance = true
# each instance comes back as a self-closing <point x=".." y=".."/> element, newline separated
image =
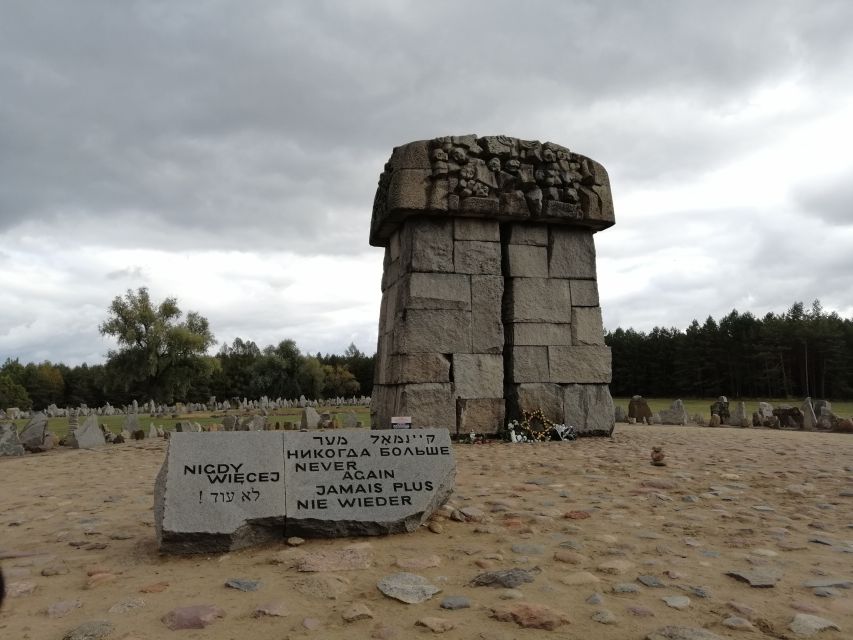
<point x="227" y="490"/>
<point x="489" y="294"/>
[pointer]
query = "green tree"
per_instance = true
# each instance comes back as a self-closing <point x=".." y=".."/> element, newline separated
<point x="44" y="384"/>
<point x="13" y="394"/>
<point x="339" y="381"/>
<point x="311" y="377"/>
<point x="158" y="355"/>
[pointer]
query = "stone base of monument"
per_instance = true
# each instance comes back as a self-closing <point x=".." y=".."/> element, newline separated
<point x="221" y="491"/>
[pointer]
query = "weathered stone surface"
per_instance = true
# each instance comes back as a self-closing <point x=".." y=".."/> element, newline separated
<point x="506" y="578"/>
<point x="416" y="367"/>
<point x="480" y="415"/>
<point x="539" y="334"/>
<point x="352" y="483"/>
<point x="525" y="261"/>
<point x="677" y="602"/>
<point x="476" y="229"/>
<point x="809" y="418"/>
<point x="841" y="583"/>
<point x="477" y="375"/>
<point x="589" y="408"/>
<point x="435" y="291"/>
<point x="426" y="244"/>
<point x="429" y="405"/>
<point x="759" y="576"/>
<point x="89" y="435"/>
<point x="528" y="364"/>
<point x="220" y="491"/>
<point x="385" y="403"/>
<point x="10" y="445"/>
<point x="358" y="611"/>
<point x="33" y="434"/>
<point x="580" y="364"/>
<point x="92" y="630"/>
<point x="587" y="327"/>
<point x="676" y="414"/>
<point x="503" y="180"/>
<point x="806" y="625"/>
<point x="584" y="293"/>
<point x="638" y="409"/>
<point x="530" y="615"/>
<point x="409" y="189"/>
<point x="455" y="602"/>
<point x="487" y="330"/>
<point x="434" y="331"/>
<point x="476" y="257"/>
<point x="309" y="419"/>
<point x="414" y="155"/>
<point x="571" y="253"/>
<point x="192" y="617"/>
<point x="407" y="587"/>
<point x="538" y="300"/>
<point x="241" y="584"/>
<point x="529" y="234"/>
<point x="532" y="396"/>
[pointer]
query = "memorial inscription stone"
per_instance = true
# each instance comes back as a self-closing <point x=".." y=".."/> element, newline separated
<point x="365" y="483"/>
<point x="224" y="490"/>
<point x="221" y="490"/>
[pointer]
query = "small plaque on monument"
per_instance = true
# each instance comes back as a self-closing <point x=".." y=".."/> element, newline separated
<point x="401" y="422"/>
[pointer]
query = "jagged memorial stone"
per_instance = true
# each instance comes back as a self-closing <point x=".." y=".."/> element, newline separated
<point x="10" y="445"/>
<point x="220" y="491"/>
<point x="88" y="436"/>
<point x="35" y="433"/>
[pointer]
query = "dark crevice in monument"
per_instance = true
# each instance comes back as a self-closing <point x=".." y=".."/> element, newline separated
<point x="506" y="303"/>
<point x="449" y="358"/>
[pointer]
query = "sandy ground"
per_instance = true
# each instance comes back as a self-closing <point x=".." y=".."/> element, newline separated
<point x="729" y="499"/>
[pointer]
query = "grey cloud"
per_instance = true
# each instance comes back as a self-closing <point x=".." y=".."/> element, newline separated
<point x="830" y="201"/>
<point x="133" y="273"/>
<point x="272" y="120"/>
<point x="263" y="127"/>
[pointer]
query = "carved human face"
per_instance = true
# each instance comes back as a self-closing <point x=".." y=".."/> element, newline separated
<point x="512" y="165"/>
<point x="438" y="155"/>
<point x="494" y="164"/>
<point x="548" y="155"/>
<point x="466" y="172"/>
<point x="481" y="189"/>
<point x="459" y="155"/>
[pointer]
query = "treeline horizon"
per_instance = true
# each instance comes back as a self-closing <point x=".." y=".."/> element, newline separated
<point x="801" y="352"/>
<point x="240" y="369"/>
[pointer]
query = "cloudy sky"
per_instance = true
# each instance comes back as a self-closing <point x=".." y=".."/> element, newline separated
<point x="227" y="153"/>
